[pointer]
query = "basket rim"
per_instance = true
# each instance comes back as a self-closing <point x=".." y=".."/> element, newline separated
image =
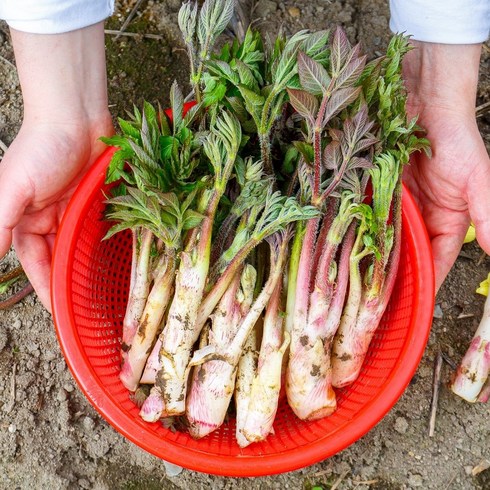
<point x="227" y="465"/>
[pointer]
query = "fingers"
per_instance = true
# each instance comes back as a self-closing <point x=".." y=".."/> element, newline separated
<point x="34" y="252"/>
<point x="445" y="249"/>
<point x="479" y="201"/>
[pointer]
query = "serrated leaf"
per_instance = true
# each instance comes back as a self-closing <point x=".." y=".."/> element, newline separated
<point x="316" y="43"/>
<point x="187" y="21"/>
<point x="254" y="103"/>
<point x="224" y="70"/>
<point x="332" y="156"/>
<point x="351" y="72"/>
<point x="246" y="75"/>
<point x="339" y="50"/>
<point x="128" y="129"/>
<point x="304" y="103"/>
<point x="214" y="96"/>
<point x="313" y="77"/>
<point x="359" y="162"/>
<point x="339" y="100"/>
<point x="306" y="150"/>
<point x="191" y="219"/>
<point x="177" y="105"/>
<point x="213" y="19"/>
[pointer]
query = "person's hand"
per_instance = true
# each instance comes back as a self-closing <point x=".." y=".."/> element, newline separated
<point x="452" y="187"/>
<point x="65" y="112"/>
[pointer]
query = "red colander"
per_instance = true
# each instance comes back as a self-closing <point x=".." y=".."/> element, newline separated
<point x="89" y="288"/>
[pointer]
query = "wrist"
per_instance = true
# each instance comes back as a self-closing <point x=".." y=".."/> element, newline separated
<point x="442" y="76"/>
<point x="62" y="76"/>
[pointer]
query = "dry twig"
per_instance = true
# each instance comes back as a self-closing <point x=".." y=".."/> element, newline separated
<point x="3" y="146"/>
<point x="133" y="34"/>
<point x="129" y="18"/>
<point x="435" y="393"/>
<point x="339" y="480"/>
<point x="482" y="109"/>
<point x="6" y="61"/>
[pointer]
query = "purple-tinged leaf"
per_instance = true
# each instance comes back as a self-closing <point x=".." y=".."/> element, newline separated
<point x="358" y="162"/>
<point x="335" y="134"/>
<point x="339" y="50"/>
<point x="332" y="157"/>
<point x="339" y="100"/>
<point x="361" y="120"/>
<point x="314" y="78"/>
<point x="351" y="72"/>
<point x="304" y="103"/>
<point x="364" y="144"/>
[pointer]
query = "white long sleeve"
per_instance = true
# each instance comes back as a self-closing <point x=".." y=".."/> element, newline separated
<point x="54" y="16"/>
<point x="442" y="21"/>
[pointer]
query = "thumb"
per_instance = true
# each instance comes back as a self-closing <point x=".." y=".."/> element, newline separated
<point x="479" y="201"/>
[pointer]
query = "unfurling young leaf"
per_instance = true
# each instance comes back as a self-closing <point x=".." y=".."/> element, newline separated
<point x="187" y="21"/>
<point x="177" y="105"/>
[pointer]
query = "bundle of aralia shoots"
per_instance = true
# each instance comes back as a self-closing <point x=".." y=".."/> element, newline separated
<point x="266" y="224"/>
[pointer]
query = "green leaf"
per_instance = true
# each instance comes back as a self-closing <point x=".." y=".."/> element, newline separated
<point x="254" y="103"/>
<point x="167" y="144"/>
<point x="215" y="95"/>
<point x="128" y="129"/>
<point x="306" y="150"/>
<point x="191" y="219"/>
<point x="246" y="75"/>
<point x="187" y="21"/>
<point x="177" y="105"/>
<point x="116" y="167"/>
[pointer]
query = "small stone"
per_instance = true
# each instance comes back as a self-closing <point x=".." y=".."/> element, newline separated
<point x="16" y="324"/>
<point x="68" y="387"/>
<point x="88" y="424"/>
<point x="83" y="483"/>
<point x="467" y="470"/>
<point x="401" y="425"/>
<point x="49" y="355"/>
<point x="61" y="397"/>
<point x="12" y="428"/>
<point x="415" y="480"/>
<point x="264" y="8"/>
<point x="294" y="12"/>
<point x="172" y="469"/>
<point x="438" y="312"/>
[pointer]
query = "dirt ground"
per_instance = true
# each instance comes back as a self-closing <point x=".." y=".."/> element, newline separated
<point x="51" y="437"/>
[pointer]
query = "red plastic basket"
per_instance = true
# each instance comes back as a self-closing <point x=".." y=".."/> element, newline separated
<point x="89" y="287"/>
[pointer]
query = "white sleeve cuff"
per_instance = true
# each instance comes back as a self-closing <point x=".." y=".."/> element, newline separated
<point x="54" y="16"/>
<point x="442" y="21"/>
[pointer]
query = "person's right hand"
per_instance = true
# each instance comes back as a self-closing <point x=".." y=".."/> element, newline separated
<point x="38" y="175"/>
<point x="65" y="112"/>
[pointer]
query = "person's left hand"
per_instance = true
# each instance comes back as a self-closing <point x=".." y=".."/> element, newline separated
<point x="452" y="187"/>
